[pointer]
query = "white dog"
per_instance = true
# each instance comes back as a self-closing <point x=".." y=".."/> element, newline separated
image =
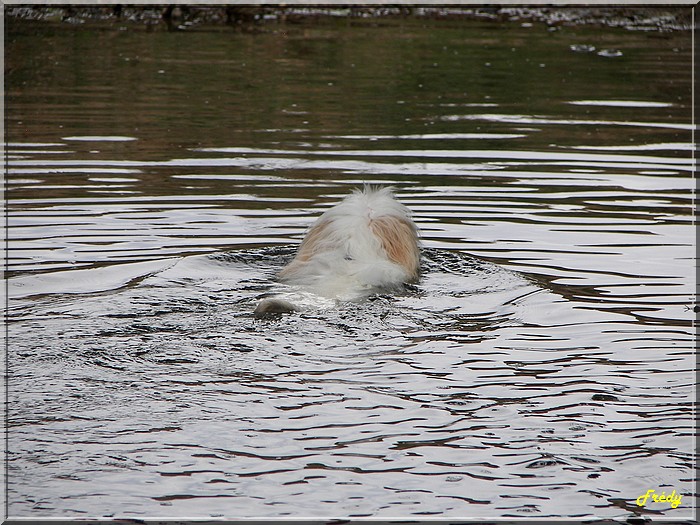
<point x="365" y="243"/>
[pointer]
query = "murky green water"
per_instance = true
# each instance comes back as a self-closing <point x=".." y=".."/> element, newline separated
<point x="542" y="367"/>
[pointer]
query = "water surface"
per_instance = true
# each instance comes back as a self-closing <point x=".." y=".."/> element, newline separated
<point x="542" y="367"/>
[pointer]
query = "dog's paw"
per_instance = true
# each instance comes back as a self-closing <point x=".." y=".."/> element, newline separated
<point x="268" y="308"/>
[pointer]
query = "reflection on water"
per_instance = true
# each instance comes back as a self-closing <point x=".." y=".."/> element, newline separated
<point x="543" y="366"/>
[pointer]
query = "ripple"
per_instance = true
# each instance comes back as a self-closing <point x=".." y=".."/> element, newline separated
<point x="621" y="103"/>
<point x="100" y="138"/>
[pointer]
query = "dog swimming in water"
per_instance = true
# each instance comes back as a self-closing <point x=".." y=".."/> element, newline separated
<point x="365" y="243"/>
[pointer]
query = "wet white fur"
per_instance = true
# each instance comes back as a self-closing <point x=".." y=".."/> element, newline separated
<point x="368" y="241"/>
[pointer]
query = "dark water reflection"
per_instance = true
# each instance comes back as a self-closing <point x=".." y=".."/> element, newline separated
<point x="542" y="367"/>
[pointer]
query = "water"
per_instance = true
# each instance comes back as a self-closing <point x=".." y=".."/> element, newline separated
<point x="542" y="367"/>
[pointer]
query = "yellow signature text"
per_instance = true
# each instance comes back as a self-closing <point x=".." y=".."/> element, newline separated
<point x="672" y="498"/>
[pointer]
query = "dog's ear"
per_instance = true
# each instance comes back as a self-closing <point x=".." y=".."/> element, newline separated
<point x="400" y="242"/>
<point x="307" y="248"/>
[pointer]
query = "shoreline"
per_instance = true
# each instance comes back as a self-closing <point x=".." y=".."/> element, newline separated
<point x="185" y="17"/>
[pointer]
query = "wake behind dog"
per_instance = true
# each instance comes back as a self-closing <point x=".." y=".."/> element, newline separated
<point x="366" y="243"/>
